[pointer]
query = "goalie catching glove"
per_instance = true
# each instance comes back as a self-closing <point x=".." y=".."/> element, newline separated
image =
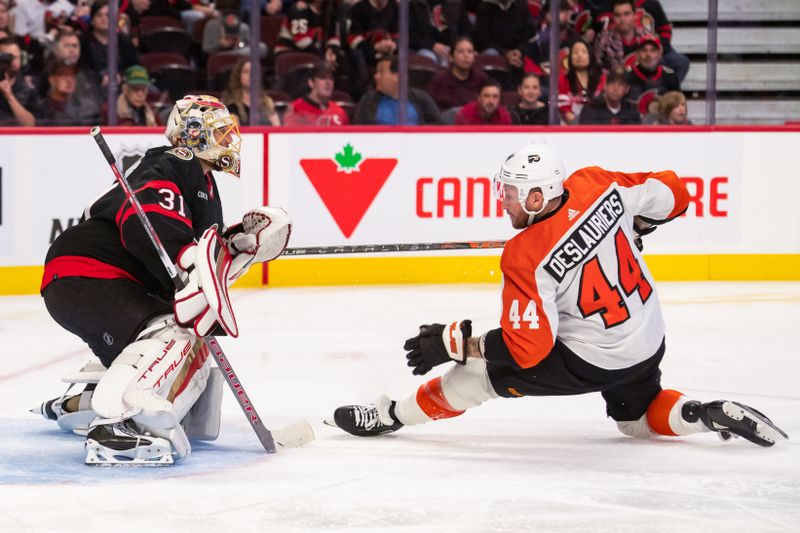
<point x="262" y="236"/>
<point x="437" y="344"/>
<point x="214" y="263"/>
<point x="204" y="301"/>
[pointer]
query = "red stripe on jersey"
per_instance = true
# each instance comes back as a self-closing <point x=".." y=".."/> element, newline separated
<point x="149" y="209"/>
<point x="659" y="410"/>
<point x="68" y="266"/>
<point x="155" y="184"/>
<point x="431" y="399"/>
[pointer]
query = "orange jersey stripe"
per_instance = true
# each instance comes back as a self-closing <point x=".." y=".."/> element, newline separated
<point x="659" y="410"/>
<point x="431" y="400"/>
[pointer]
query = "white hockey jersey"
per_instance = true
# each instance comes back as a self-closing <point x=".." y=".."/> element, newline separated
<point x="576" y="275"/>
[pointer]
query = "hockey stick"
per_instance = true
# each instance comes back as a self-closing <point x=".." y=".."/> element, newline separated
<point x="294" y="435"/>
<point x="405" y="247"/>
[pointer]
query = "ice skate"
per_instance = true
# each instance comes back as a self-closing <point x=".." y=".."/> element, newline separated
<point x="71" y="413"/>
<point x="55" y="408"/>
<point x="367" y="420"/>
<point x="736" y="419"/>
<point x="121" y="444"/>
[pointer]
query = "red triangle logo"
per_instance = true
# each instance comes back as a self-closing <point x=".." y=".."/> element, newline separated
<point x="348" y="195"/>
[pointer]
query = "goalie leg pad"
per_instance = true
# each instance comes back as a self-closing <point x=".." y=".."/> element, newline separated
<point x="203" y="420"/>
<point x="155" y="381"/>
<point x="461" y="387"/>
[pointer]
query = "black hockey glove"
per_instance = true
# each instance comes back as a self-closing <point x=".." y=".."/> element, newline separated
<point x="437" y="344"/>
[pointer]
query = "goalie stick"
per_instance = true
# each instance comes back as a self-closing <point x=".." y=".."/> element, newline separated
<point x="403" y="247"/>
<point x="293" y="435"/>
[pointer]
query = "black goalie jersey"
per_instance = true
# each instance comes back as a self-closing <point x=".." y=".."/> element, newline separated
<point x="110" y="241"/>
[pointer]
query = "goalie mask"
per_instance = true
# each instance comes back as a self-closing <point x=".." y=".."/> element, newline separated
<point x="532" y="166"/>
<point x="205" y="126"/>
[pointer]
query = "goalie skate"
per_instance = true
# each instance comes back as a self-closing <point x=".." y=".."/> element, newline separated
<point x="736" y="419"/>
<point x="366" y="420"/>
<point x="120" y="445"/>
<point x="77" y="419"/>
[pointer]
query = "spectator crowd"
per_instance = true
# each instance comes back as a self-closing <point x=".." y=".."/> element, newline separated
<point x="335" y="62"/>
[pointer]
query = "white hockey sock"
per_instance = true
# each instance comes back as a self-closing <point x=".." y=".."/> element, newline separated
<point x="461" y="387"/>
<point x="665" y="415"/>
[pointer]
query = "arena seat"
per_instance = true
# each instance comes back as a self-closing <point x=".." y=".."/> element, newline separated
<point x="758" y="59"/>
<point x="175" y="40"/>
<point x="734" y="10"/>
<point x="156" y="60"/>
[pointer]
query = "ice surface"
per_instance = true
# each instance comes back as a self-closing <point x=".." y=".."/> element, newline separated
<point x="532" y="464"/>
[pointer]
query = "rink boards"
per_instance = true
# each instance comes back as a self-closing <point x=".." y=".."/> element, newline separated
<point x="360" y="186"/>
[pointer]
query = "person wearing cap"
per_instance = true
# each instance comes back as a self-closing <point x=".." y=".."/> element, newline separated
<point x="649" y="78"/>
<point x="132" y="106"/>
<point x="317" y="108"/>
<point x="228" y="34"/>
<point x="63" y="106"/>
<point x="610" y="107"/>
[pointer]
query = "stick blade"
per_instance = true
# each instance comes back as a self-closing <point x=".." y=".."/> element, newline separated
<point x="294" y="435"/>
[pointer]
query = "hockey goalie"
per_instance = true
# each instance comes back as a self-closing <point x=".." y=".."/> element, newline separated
<point x="152" y="387"/>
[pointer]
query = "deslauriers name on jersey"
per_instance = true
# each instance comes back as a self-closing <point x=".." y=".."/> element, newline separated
<point x="586" y="236"/>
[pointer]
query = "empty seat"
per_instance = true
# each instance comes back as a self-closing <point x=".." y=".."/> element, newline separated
<point x="760" y="76"/>
<point x="178" y="80"/>
<point x="495" y="67"/>
<point x="154" y="61"/>
<point x="270" y="30"/>
<point x="742" y="40"/>
<point x="734" y="10"/>
<point x="420" y="70"/>
<point x="175" y="40"/>
<point x="149" y="24"/>
<point x="218" y="68"/>
<point x="747" y="111"/>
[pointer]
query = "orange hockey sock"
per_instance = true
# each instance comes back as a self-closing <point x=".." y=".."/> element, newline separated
<point x="658" y="413"/>
<point x="432" y="401"/>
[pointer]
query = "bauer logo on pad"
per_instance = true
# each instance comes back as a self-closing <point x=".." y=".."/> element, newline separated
<point x="348" y="184"/>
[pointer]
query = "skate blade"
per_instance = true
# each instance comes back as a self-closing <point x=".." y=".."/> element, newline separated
<point x="294" y="435"/>
<point x="330" y="422"/>
<point x="764" y="428"/>
<point x="98" y="455"/>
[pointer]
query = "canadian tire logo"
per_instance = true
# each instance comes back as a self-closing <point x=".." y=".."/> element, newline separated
<point x="348" y="184"/>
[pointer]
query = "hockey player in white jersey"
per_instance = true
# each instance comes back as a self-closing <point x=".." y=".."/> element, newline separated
<point x="580" y="312"/>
